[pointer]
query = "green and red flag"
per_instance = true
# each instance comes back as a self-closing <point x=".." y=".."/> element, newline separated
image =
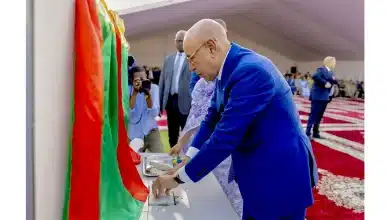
<point x="102" y="180"/>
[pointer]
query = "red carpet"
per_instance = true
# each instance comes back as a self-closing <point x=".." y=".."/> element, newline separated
<point x="348" y="113"/>
<point x="353" y="100"/>
<point x="325" y="119"/>
<point x="340" y="192"/>
<point x="356" y="135"/>
<point x="342" y="182"/>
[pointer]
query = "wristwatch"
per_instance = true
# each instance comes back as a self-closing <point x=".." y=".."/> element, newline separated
<point x="177" y="179"/>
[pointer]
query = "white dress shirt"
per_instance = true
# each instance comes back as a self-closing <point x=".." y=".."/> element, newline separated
<point x="178" y="65"/>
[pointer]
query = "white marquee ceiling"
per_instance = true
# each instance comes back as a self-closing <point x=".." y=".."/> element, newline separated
<point x="303" y="30"/>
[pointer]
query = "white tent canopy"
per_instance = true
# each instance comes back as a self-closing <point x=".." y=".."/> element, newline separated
<point x="303" y="30"/>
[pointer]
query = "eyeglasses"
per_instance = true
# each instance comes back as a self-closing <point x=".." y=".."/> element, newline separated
<point x="191" y="57"/>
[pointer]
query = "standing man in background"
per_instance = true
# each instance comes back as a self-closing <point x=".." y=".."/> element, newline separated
<point x="319" y="96"/>
<point x="174" y="86"/>
<point x="194" y="75"/>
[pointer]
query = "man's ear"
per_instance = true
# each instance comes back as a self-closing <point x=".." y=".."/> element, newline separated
<point x="211" y="47"/>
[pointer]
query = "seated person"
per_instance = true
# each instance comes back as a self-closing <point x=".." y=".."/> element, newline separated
<point x="341" y="85"/>
<point x="144" y="107"/>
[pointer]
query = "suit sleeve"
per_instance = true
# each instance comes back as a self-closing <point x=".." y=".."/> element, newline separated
<point x="248" y="98"/>
<point x="318" y="77"/>
<point x="206" y="128"/>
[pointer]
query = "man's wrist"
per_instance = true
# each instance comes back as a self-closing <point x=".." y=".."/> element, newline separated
<point x="183" y="175"/>
<point x="177" y="179"/>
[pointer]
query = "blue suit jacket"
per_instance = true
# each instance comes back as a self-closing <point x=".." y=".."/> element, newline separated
<point x="257" y="124"/>
<point x="320" y="78"/>
<point x="194" y="79"/>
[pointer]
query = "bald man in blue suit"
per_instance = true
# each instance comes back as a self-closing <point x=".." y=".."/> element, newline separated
<point x="253" y="119"/>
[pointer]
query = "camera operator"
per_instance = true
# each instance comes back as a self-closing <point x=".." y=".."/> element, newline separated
<point x="144" y="107"/>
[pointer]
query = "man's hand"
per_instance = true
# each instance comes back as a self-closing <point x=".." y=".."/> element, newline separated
<point x="328" y="85"/>
<point x="164" y="184"/>
<point x="173" y="170"/>
<point x="185" y="159"/>
<point x="137" y="84"/>
<point x="147" y="93"/>
<point x="175" y="150"/>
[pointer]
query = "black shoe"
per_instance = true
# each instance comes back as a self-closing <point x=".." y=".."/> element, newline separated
<point x="316" y="136"/>
<point x="309" y="136"/>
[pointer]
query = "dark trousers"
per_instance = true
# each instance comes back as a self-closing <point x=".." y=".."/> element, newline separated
<point x="176" y="120"/>
<point x="359" y="92"/>
<point x="317" y="111"/>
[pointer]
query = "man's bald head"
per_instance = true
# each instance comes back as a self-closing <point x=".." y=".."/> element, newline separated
<point x="206" y="45"/>
<point x="204" y="30"/>
<point x="221" y="22"/>
<point x="179" y="37"/>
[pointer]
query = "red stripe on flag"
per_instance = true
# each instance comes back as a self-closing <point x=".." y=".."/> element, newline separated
<point x="88" y="108"/>
<point x="129" y="173"/>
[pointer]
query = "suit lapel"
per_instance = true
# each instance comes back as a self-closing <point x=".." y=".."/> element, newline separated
<point x="228" y="67"/>
<point x="230" y="63"/>
<point x="170" y="70"/>
<point x="184" y="67"/>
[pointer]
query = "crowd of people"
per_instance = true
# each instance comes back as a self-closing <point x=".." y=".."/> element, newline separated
<point x="190" y="88"/>
<point x="301" y="85"/>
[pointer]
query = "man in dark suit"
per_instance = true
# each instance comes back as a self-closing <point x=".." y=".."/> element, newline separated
<point x="174" y="85"/>
<point x="323" y="82"/>
<point x="252" y="118"/>
<point x="194" y="75"/>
